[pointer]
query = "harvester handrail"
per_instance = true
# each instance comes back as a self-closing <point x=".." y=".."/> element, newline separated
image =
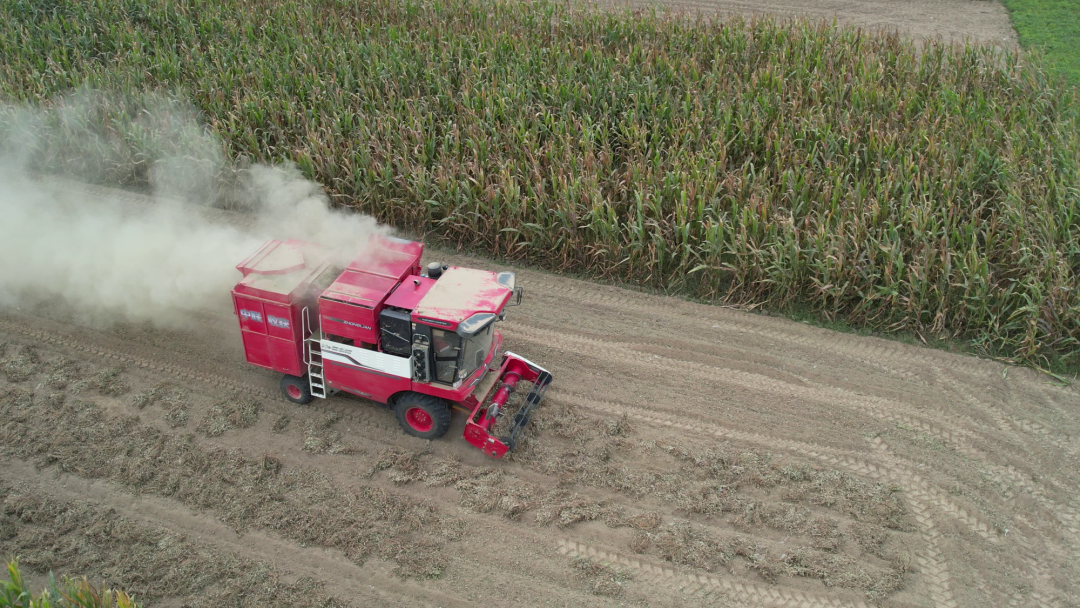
<point x="305" y="323"/>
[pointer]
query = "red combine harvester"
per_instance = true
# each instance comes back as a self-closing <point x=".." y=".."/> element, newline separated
<point x="421" y="342"/>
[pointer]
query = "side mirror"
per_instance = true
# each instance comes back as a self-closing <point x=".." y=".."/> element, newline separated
<point x="516" y="300"/>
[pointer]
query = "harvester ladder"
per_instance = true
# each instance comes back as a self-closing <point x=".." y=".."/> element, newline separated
<point x="313" y="358"/>
<point x="315" y="368"/>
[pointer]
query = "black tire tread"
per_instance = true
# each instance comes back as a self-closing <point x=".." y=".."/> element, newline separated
<point x="305" y="389"/>
<point x="437" y="408"/>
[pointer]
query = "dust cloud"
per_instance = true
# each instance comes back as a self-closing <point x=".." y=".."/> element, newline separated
<point x="114" y="258"/>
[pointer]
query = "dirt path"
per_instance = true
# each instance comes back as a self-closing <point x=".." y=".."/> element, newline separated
<point x="687" y="455"/>
<point x="983" y="21"/>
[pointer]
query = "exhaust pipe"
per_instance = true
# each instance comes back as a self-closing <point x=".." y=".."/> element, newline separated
<point x="434" y="270"/>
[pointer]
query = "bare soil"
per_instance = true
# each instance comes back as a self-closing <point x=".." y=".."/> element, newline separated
<point x="977" y="21"/>
<point x="685" y="455"/>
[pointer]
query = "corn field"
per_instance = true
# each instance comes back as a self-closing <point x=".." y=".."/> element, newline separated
<point x="71" y="593"/>
<point x="932" y="188"/>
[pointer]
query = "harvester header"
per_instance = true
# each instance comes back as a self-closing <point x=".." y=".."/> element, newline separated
<point x="422" y="341"/>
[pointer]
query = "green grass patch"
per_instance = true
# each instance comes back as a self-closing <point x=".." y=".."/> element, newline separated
<point x="1053" y="28"/>
<point x="867" y="181"/>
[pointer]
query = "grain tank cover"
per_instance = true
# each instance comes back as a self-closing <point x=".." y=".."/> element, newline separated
<point x="388" y="257"/>
<point x="274" y="257"/>
<point x="281" y="270"/>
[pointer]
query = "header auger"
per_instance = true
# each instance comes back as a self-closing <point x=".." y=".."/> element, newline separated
<point x="422" y="342"/>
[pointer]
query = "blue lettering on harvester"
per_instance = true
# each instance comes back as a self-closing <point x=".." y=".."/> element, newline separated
<point x="251" y="314"/>
<point x="277" y="321"/>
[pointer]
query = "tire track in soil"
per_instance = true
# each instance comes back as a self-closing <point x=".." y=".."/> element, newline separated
<point x="1005" y="475"/>
<point x="934" y="567"/>
<point x="1009" y="476"/>
<point x="873" y="350"/>
<point x="875" y="407"/>
<point x="1040" y="573"/>
<point x="920" y="495"/>
<point x="809" y="337"/>
<point x="341" y="576"/>
<point x="1018" y="426"/>
<point x="382" y="572"/>
<point x="745" y="326"/>
<point x="1012" y="424"/>
<point x="702" y="586"/>
<point x="1023" y="432"/>
<point x="222" y="382"/>
<point x="931" y="562"/>
<point x="934" y="570"/>
<point x="748" y="380"/>
<point x="364" y="416"/>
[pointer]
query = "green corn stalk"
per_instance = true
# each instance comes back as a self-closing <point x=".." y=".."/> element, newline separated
<point x="69" y="593"/>
<point x="855" y="175"/>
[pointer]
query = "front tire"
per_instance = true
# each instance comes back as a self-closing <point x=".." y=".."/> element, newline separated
<point x="422" y="415"/>
<point x="296" y="389"/>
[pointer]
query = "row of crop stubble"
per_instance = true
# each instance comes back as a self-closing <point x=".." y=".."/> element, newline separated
<point x="894" y="187"/>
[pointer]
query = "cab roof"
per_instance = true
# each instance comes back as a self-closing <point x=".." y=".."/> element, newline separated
<point x="459" y="294"/>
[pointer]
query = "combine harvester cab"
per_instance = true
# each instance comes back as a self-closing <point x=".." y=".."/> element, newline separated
<point x="423" y="343"/>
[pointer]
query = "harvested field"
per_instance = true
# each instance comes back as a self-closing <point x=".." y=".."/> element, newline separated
<point x="686" y="455"/>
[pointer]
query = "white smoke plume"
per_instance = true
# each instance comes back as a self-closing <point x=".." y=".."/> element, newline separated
<point x="288" y="204"/>
<point x="112" y="259"/>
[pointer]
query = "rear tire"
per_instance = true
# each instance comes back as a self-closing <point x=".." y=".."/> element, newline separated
<point x="422" y="415"/>
<point x="296" y="389"/>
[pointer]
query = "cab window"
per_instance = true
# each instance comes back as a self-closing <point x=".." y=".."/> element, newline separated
<point x="446" y="346"/>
